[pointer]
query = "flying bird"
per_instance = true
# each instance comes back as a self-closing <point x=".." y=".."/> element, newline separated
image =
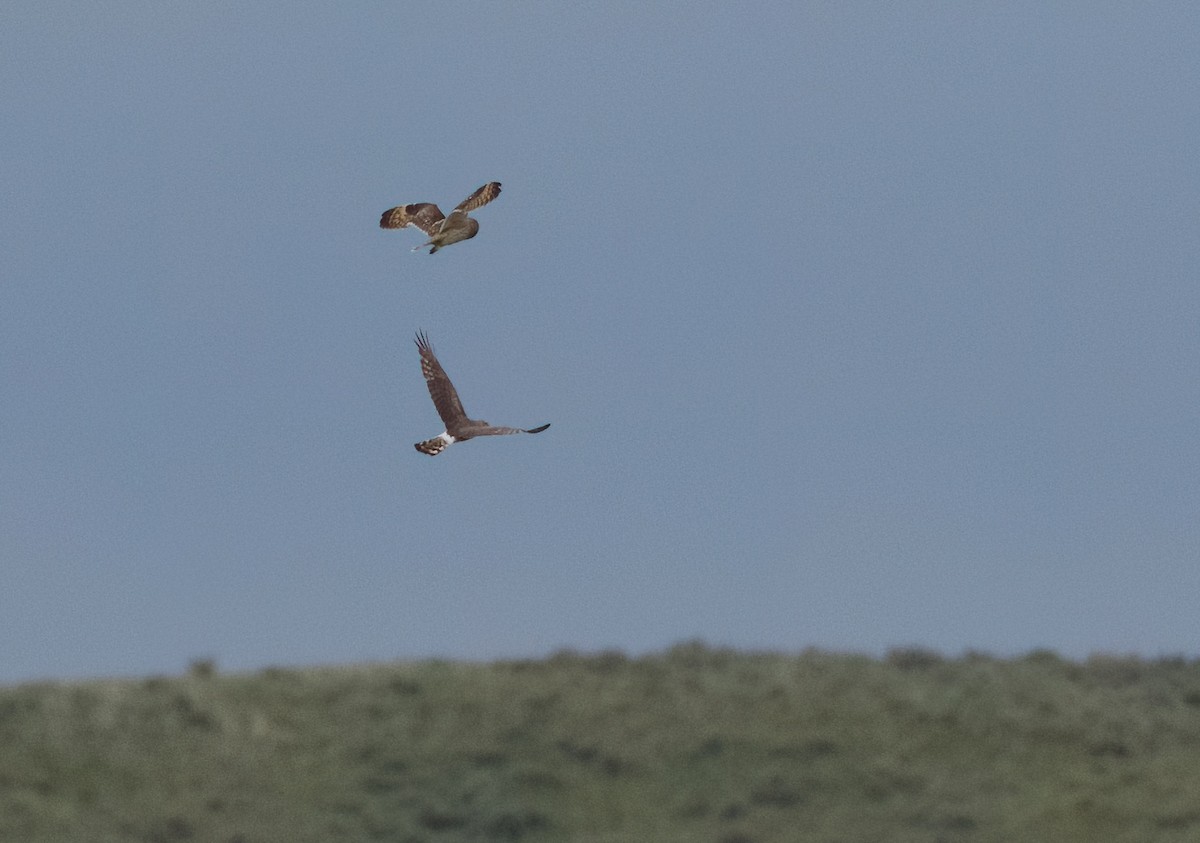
<point x="442" y="230"/>
<point x="458" y="427"/>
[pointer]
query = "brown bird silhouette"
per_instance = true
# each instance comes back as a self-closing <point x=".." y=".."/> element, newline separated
<point x="442" y="230"/>
<point x="445" y="398"/>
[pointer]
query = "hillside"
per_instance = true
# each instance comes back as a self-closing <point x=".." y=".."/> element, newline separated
<point x="695" y="744"/>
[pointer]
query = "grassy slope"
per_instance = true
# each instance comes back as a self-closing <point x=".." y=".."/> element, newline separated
<point x="693" y="745"/>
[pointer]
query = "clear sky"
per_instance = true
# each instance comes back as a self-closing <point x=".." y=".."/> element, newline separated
<point x="858" y="325"/>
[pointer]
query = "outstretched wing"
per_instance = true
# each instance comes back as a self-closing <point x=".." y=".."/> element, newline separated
<point x="423" y="215"/>
<point x="444" y="396"/>
<point x="480" y="197"/>
<point x="492" y="430"/>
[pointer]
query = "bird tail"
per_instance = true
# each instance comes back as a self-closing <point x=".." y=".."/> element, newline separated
<point x="434" y="446"/>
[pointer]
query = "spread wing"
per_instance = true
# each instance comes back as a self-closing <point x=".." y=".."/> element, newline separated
<point x="444" y="396"/>
<point x="423" y="215"/>
<point x="480" y="197"/>
<point x="494" y="430"/>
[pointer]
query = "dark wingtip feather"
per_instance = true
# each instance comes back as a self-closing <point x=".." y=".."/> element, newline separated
<point x="539" y="429"/>
<point x="386" y="218"/>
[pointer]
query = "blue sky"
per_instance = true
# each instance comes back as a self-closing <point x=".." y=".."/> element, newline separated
<point x="858" y="326"/>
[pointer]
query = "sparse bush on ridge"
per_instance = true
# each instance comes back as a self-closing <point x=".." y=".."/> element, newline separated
<point x="694" y="744"/>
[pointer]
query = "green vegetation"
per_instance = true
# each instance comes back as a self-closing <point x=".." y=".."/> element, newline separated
<point x="696" y="744"/>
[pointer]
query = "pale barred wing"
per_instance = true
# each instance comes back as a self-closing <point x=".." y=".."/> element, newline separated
<point x="492" y="430"/>
<point x="423" y="215"/>
<point x="445" y="397"/>
<point x="480" y="197"/>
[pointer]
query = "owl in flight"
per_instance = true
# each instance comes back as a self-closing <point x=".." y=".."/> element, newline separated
<point x="441" y="229"/>
<point x="445" y="399"/>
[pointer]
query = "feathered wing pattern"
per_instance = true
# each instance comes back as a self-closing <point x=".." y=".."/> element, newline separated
<point x="449" y="407"/>
<point x="441" y="390"/>
<point x="480" y="197"/>
<point x="423" y="215"/>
